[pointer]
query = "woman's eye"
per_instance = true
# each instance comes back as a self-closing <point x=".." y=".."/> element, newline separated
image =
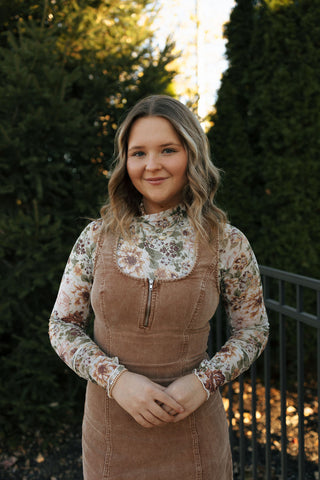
<point x="138" y="154"/>
<point x="169" y="150"/>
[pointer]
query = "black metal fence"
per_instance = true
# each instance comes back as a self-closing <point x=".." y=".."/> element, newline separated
<point x="273" y="409"/>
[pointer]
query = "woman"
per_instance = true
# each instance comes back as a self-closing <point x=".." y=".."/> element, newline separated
<point x="153" y="268"/>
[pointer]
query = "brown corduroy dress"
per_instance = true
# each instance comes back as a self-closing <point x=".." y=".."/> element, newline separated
<point x="160" y="333"/>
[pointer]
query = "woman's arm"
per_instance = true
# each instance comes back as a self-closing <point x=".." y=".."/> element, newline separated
<point x="70" y="316"/>
<point x="241" y="292"/>
<point x="242" y="296"/>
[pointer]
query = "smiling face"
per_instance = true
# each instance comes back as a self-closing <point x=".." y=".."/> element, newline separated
<point x="156" y="163"/>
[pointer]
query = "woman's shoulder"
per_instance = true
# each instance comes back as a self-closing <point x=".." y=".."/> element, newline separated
<point x="234" y="247"/>
<point x="231" y="236"/>
<point x="89" y="237"/>
<point x="93" y="229"/>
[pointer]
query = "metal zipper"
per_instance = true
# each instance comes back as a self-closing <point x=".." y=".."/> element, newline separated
<point x="147" y="315"/>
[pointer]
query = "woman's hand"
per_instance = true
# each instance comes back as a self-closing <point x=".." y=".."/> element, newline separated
<point x="189" y="393"/>
<point x="147" y="402"/>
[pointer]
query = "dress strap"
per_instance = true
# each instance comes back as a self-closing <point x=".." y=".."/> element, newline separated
<point x="98" y="248"/>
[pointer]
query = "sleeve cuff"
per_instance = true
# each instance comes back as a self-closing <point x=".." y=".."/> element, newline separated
<point x="114" y="377"/>
<point x="211" y="379"/>
<point x="200" y="380"/>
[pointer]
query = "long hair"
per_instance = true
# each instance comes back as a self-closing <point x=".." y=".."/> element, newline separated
<point x="203" y="177"/>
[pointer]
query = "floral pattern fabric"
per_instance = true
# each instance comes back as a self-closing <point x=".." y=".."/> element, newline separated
<point x="161" y="246"/>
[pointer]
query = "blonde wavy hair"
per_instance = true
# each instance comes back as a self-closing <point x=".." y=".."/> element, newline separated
<point x="203" y="177"/>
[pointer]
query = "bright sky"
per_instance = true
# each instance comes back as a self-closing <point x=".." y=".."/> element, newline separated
<point x="202" y="61"/>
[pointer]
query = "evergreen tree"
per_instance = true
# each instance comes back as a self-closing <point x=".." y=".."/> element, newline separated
<point x="266" y="132"/>
<point x="229" y="137"/>
<point x="68" y="72"/>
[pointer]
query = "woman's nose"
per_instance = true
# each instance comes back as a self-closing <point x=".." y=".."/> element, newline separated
<point x="152" y="162"/>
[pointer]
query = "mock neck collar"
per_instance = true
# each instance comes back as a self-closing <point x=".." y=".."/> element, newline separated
<point x="165" y="218"/>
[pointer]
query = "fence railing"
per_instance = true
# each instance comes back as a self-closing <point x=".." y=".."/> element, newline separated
<point x="273" y="409"/>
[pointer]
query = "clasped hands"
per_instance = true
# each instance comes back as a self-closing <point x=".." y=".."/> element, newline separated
<point x="151" y="404"/>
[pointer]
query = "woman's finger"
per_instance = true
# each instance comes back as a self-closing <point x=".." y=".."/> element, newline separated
<point x="154" y="416"/>
<point x="167" y="409"/>
<point x="168" y="401"/>
<point x="160" y="413"/>
<point x="152" y="419"/>
<point x="143" y="421"/>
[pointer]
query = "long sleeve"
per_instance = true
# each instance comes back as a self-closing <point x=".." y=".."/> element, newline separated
<point x="242" y="296"/>
<point x="70" y="316"/>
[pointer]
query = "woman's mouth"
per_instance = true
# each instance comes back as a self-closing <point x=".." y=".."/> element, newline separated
<point x="155" y="180"/>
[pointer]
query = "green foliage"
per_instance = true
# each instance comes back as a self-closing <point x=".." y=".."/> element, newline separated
<point x="68" y="71"/>
<point x="266" y="131"/>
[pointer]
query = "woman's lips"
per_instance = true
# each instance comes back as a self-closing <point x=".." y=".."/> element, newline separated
<point x="155" y="180"/>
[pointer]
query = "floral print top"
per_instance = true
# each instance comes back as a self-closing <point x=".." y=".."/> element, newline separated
<point x="161" y="246"/>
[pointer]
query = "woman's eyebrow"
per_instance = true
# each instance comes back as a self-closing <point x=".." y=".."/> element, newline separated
<point x="170" y="144"/>
<point x="135" y="147"/>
